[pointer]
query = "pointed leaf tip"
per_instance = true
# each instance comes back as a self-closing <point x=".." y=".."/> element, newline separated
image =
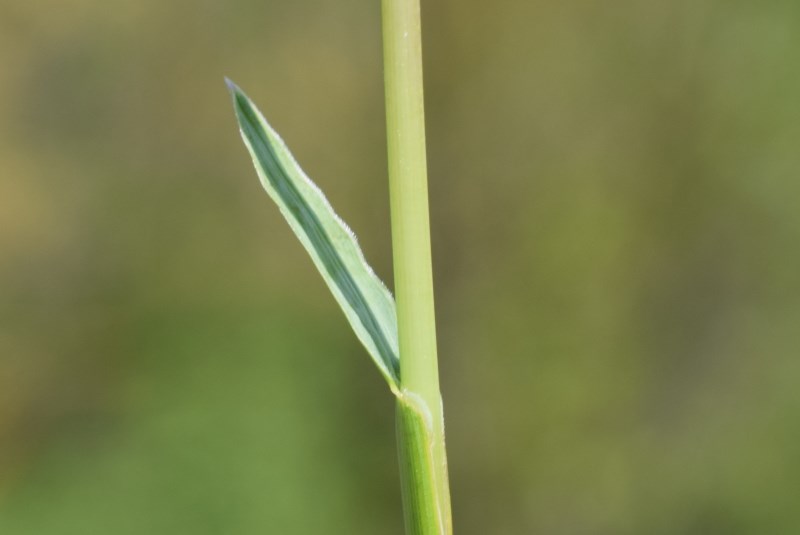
<point x="232" y="87"/>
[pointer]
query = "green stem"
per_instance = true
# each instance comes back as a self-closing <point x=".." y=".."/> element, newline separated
<point x="426" y="496"/>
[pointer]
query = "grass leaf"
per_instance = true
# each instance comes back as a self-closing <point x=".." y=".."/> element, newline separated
<point x="366" y="302"/>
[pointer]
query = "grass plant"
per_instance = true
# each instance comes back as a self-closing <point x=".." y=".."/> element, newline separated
<point x="401" y="338"/>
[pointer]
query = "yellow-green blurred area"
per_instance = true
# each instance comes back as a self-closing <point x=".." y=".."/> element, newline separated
<point x="615" y="199"/>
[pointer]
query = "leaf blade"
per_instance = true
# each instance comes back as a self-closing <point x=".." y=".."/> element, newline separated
<point x="367" y="304"/>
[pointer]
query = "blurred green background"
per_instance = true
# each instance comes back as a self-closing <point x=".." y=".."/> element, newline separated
<point x="615" y="192"/>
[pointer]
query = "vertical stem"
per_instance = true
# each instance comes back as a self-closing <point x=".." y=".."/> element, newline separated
<point x="408" y="185"/>
<point x="405" y="117"/>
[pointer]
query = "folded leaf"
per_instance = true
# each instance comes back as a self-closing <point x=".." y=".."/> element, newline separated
<point x="366" y="302"/>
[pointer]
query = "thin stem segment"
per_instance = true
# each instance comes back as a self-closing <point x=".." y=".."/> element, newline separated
<point x="405" y="118"/>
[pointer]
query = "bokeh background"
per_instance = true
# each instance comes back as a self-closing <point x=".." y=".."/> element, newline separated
<point x="615" y="192"/>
